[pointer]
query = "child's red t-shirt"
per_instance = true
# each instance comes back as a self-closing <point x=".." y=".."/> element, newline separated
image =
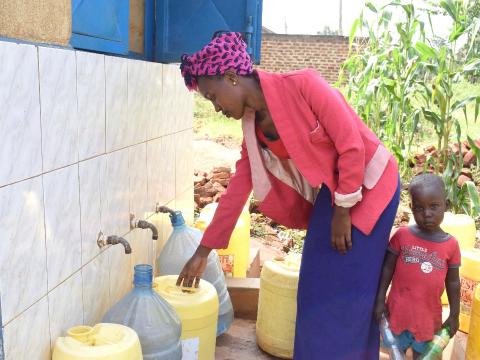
<point x="414" y="301"/>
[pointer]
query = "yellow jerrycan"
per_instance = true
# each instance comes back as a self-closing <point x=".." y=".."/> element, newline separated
<point x="462" y="227"/>
<point x="197" y="309"/>
<point x="473" y="343"/>
<point x="469" y="279"/>
<point x="277" y="305"/>
<point x="235" y="258"/>
<point x="101" y="342"/>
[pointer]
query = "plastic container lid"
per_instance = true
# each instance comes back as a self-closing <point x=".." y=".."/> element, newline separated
<point x="177" y="219"/>
<point x="190" y="303"/>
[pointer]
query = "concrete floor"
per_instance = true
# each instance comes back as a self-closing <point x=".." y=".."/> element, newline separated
<point x="239" y="344"/>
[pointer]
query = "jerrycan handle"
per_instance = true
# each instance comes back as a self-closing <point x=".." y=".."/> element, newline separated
<point x="286" y="263"/>
<point x="88" y="335"/>
<point x="81" y="333"/>
<point x="174" y="289"/>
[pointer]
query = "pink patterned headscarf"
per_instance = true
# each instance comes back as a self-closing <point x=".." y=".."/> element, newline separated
<point x="225" y="51"/>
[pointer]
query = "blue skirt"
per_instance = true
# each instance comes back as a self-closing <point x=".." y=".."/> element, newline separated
<point x="336" y="293"/>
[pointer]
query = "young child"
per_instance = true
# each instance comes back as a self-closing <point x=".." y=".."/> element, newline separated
<point x="423" y="260"/>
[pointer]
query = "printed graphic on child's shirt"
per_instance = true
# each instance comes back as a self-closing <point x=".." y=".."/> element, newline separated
<point x="428" y="261"/>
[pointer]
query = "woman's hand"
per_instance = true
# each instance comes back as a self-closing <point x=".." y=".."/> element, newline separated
<point x="194" y="268"/>
<point x="341" y="229"/>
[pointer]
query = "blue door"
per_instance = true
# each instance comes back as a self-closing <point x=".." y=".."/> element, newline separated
<point x="184" y="26"/>
<point x="100" y="25"/>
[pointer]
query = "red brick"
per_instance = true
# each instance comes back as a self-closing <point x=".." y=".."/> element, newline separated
<point x="469" y="159"/>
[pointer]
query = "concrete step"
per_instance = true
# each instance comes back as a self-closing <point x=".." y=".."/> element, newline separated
<point x="254" y="267"/>
<point x="244" y="295"/>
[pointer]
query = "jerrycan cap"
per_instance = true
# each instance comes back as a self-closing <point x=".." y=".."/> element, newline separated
<point x="290" y="262"/>
<point x="188" y="302"/>
<point x="177" y="218"/>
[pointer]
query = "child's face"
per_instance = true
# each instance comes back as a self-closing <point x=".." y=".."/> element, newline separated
<point x="428" y="206"/>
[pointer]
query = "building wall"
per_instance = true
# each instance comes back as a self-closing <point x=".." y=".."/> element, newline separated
<point x="86" y="139"/>
<point x="136" y="26"/>
<point x="282" y="53"/>
<point x="48" y="21"/>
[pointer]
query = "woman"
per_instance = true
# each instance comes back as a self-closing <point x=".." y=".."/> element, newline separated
<point x="313" y="164"/>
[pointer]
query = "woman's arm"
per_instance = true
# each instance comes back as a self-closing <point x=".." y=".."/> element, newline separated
<point x="217" y="234"/>
<point x="337" y="118"/>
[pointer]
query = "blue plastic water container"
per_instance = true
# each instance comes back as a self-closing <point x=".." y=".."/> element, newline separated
<point x="155" y="321"/>
<point x="178" y="249"/>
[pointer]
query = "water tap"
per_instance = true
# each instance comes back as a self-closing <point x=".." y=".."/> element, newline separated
<point x="103" y="241"/>
<point x="143" y="224"/>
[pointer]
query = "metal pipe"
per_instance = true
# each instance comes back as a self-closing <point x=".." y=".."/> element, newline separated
<point x="142" y="224"/>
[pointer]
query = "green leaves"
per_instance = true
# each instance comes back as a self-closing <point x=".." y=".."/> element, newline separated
<point x="371" y="7"/>
<point x="353" y="32"/>
<point x="426" y="52"/>
<point x="403" y="80"/>
<point x="470" y="199"/>
<point x="463" y="103"/>
<point x="473" y="65"/>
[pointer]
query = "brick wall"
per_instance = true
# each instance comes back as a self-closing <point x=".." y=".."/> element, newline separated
<point x="282" y="53"/>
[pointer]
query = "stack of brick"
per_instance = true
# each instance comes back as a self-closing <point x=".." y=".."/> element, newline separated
<point x="209" y="187"/>
<point x="425" y="161"/>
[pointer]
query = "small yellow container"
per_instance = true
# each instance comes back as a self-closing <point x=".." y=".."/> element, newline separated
<point x="469" y="279"/>
<point x="473" y="342"/>
<point x="101" y="342"/>
<point x="277" y="306"/>
<point x="235" y="258"/>
<point x="198" y="311"/>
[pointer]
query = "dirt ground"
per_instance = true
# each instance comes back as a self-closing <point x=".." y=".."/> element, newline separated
<point x="209" y="154"/>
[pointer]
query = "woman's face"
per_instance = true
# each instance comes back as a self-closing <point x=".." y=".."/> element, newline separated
<point x="225" y="93"/>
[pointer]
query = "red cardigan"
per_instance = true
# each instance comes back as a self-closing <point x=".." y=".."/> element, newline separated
<point x="328" y="143"/>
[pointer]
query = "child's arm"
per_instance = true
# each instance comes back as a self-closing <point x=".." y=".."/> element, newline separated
<point x="387" y="274"/>
<point x="452" y="284"/>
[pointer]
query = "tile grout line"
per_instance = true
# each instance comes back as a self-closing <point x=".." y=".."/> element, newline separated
<point x="78" y="184"/>
<point x="43" y="205"/>
<point x="81" y="240"/>
<point x="105" y="104"/>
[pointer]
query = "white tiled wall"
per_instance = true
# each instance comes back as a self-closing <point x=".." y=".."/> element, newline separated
<point x="91" y="104"/>
<point x="58" y="104"/>
<point x="85" y="140"/>
<point x="21" y="150"/>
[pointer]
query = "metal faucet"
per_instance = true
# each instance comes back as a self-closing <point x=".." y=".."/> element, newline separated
<point x="103" y="241"/>
<point x="143" y="224"/>
<point x="164" y="209"/>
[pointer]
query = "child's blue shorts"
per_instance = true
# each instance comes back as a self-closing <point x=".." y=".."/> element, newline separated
<point x="406" y="340"/>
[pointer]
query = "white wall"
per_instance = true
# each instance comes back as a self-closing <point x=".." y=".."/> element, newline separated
<point x="85" y="139"/>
